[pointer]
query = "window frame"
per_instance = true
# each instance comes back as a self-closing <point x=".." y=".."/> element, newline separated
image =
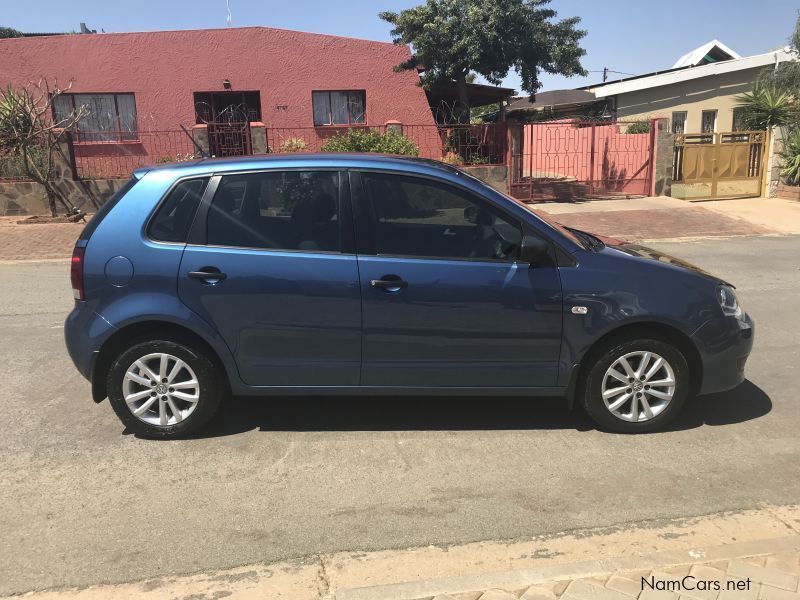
<point x="715" y="112"/>
<point x="365" y="234"/>
<point x="672" y="121"/>
<point x="198" y="234"/>
<point x="163" y="199"/>
<point x="330" y="108"/>
<point x="76" y="132"/>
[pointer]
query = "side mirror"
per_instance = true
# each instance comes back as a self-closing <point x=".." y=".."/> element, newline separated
<point x="534" y="249"/>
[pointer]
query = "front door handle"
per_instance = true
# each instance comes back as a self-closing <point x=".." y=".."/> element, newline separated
<point x="207" y="274"/>
<point x="389" y="283"/>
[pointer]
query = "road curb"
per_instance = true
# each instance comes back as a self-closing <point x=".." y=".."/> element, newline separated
<point x="514" y="580"/>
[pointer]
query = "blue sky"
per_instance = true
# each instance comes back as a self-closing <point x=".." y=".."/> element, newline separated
<point x="632" y="36"/>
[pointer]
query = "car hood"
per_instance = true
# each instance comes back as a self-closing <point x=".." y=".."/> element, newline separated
<point x="648" y="253"/>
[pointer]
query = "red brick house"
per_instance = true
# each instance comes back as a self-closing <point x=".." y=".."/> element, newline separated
<point x="140" y="85"/>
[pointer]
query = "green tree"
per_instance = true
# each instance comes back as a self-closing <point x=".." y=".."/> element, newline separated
<point x="786" y="77"/>
<point x="8" y="32"/>
<point x="452" y="39"/>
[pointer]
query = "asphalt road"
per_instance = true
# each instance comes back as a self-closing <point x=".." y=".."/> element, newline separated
<point x="82" y="502"/>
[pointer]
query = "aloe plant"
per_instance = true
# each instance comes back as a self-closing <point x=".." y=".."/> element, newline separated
<point x="767" y="106"/>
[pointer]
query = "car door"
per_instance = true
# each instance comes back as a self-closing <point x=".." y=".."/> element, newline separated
<point x="275" y="273"/>
<point x="445" y="302"/>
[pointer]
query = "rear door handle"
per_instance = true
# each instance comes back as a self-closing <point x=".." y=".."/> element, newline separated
<point x="390" y="283"/>
<point x="207" y="274"/>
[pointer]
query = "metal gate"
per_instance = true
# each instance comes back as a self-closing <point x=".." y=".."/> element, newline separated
<point x="229" y="138"/>
<point x="228" y="116"/>
<point x="718" y="165"/>
<point x="568" y="160"/>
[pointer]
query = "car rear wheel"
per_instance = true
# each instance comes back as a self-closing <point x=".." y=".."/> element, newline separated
<point x="636" y="386"/>
<point x="164" y="389"/>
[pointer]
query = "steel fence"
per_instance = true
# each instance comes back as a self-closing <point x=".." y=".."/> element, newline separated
<point x="115" y="159"/>
<point x="573" y="159"/>
<point x="481" y="144"/>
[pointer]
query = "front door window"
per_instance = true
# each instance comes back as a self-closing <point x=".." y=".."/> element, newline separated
<point x="418" y="217"/>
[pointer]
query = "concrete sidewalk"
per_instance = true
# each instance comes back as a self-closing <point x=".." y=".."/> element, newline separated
<point x="757" y="551"/>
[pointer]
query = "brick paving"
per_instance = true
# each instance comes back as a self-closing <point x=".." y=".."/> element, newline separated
<point x="636" y="225"/>
<point x="774" y="577"/>
<point x="37" y="242"/>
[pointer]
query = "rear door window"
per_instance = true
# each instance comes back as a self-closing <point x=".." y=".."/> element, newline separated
<point x="174" y="217"/>
<point x="277" y="210"/>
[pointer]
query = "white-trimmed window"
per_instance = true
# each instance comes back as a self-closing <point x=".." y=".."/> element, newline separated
<point x="109" y="117"/>
<point x="679" y="121"/>
<point x="339" y="107"/>
<point x="708" y="121"/>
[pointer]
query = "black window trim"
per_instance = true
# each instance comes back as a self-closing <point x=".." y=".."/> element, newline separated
<point x="364" y="233"/>
<point x="198" y="234"/>
<point x="146" y="227"/>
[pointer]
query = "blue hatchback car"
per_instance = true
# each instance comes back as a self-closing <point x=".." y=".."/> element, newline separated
<point x="366" y="274"/>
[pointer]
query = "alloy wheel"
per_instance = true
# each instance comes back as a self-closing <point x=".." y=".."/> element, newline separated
<point x="161" y="389"/>
<point x="638" y="386"/>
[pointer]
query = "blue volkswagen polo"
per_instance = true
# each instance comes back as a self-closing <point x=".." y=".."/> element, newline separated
<point x="344" y="274"/>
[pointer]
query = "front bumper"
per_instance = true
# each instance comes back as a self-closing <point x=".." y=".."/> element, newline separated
<point x="725" y="344"/>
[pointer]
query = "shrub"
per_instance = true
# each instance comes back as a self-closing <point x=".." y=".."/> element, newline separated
<point x="452" y="158"/>
<point x="293" y="144"/>
<point x="12" y="165"/>
<point x="791" y="158"/>
<point x="370" y="140"/>
<point x="639" y="127"/>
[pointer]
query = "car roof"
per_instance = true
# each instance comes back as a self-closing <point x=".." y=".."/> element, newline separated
<point x="341" y="160"/>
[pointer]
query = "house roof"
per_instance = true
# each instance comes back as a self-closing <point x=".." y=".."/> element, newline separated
<point x="686" y="73"/>
<point x="553" y="98"/>
<point x="478" y="94"/>
<point x="713" y="51"/>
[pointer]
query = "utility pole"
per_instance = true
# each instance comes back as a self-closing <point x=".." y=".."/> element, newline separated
<point x="605" y="74"/>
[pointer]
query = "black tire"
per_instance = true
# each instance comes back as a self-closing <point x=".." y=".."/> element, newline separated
<point x="209" y="378"/>
<point x="600" y="361"/>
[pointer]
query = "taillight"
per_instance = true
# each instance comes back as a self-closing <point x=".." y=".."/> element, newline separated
<point x="76" y="273"/>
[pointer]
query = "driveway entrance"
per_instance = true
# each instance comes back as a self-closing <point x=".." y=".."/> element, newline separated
<point x="718" y="165"/>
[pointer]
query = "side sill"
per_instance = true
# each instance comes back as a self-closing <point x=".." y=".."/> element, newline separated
<point x="398" y="391"/>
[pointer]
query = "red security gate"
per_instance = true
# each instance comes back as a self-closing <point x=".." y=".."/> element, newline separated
<point x="567" y="160"/>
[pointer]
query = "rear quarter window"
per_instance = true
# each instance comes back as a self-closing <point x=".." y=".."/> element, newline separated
<point x="175" y="214"/>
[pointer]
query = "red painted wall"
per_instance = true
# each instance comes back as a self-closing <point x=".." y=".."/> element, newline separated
<point x="164" y="68"/>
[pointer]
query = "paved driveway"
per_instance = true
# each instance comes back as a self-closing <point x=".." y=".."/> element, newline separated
<point x="82" y="502"/>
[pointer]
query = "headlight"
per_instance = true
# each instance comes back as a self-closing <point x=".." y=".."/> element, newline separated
<point x="728" y="302"/>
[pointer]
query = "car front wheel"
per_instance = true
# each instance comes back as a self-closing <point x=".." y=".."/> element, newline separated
<point x="636" y="386"/>
<point x="164" y="389"/>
